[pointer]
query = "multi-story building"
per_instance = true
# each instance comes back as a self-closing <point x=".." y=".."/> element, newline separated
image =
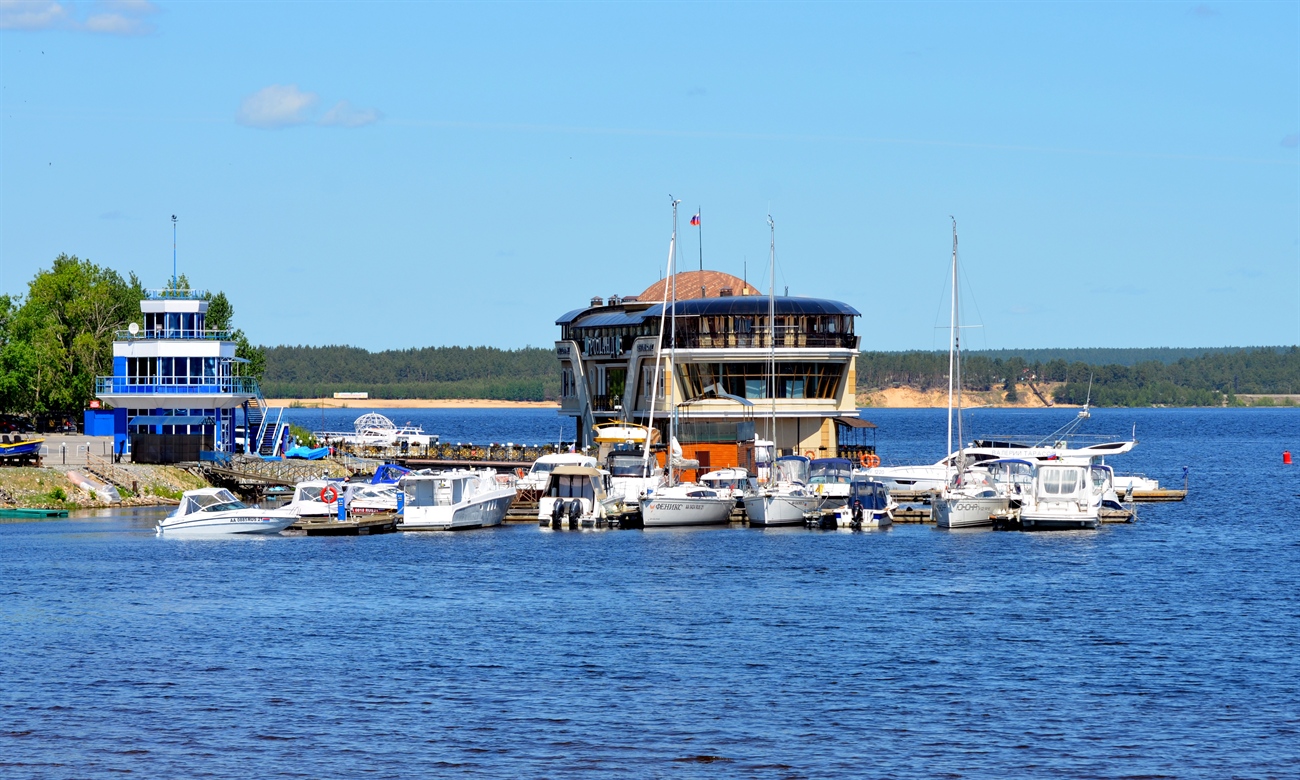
<point x="181" y="386"/>
<point x="722" y="382"/>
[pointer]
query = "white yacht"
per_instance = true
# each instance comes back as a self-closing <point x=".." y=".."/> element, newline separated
<point x="532" y="483"/>
<point x="452" y="500"/>
<point x="376" y="430"/>
<point x="371" y="499"/>
<point x="577" y="497"/>
<point x="317" y="497"/>
<point x="830" y="479"/>
<point x="217" y="512"/>
<point x="983" y="493"/>
<point x="734" y="481"/>
<point x="1064" y="496"/>
<point x="786" y="499"/>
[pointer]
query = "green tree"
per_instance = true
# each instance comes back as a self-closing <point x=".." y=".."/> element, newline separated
<point x="221" y="316"/>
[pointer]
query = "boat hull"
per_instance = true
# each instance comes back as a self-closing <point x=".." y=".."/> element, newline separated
<point x="240" y="523"/>
<point x="1058" y="521"/>
<point x="967" y="511"/>
<point x="765" y="510"/>
<point x="481" y="511"/>
<point x="666" y="511"/>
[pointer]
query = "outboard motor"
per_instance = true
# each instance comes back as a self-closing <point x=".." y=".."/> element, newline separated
<point x="575" y="513"/>
<point x="557" y="512"/>
<point x="857" y="514"/>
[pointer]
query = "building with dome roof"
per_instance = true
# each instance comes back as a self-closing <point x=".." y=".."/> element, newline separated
<point x="721" y="382"/>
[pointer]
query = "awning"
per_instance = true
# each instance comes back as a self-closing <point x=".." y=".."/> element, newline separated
<point x="854" y="422"/>
<point x="172" y="419"/>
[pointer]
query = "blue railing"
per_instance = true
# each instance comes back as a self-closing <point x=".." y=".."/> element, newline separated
<point x="173" y="333"/>
<point x="121" y="385"/>
<point x="173" y="293"/>
<point x="213" y="456"/>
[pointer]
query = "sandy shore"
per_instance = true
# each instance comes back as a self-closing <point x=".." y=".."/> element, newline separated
<point x="408" y="403"/>
<point x="909" y="398"/>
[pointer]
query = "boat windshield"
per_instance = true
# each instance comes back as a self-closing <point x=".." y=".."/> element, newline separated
<point x="629" y="466"/>
<point x="572" y="486"/>
<point x="830" y="472"/>
<point x="792" y="470"/>
<point x="1060" y="481"/>
<point x="220" y="501"/>
<point x="541" y="469"/>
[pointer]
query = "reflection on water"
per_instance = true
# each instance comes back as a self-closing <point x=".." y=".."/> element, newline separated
<point x="1162" y="648"/>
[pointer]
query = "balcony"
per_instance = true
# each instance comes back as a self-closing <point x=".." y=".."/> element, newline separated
<point x="175" y="294"/>
<point x="785" y="337"/>
<point x="147" y="386"/>
<point x="167" y="334"/>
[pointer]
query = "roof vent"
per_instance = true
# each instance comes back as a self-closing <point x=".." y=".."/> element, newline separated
<point x="629" y="299"/>
<point x="614" y="300"/>
<point x="596" y="300"/>
<point x="725" y="292"/>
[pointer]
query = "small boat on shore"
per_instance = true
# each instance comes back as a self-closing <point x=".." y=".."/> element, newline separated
<point x="217" y="512"/>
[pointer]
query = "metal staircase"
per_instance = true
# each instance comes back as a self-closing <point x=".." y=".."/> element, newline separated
<point x="265" y="435"/>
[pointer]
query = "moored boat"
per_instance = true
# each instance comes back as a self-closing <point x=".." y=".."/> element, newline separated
<point x="217" y="512"/>
<point x="453" y="500"/>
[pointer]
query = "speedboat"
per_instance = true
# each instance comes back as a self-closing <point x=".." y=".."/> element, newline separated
<point x="1064" y="495"/>
<point x="830" y="478"/>
<point x="317" y="498"/>
<point x="18" y="448"/>
<point x="371" y="499"/>
<point x="786" y="499"/>
<point x="869" y="505"/>
<point x="686" y="504"/>
<point x="217" y="512"/>
<point x="532" y="483"/>
<point x="577" y="497"/>
<point x="451" y="500"/>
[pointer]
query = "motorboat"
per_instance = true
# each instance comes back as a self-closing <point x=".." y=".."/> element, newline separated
<point x="830" y="479"/>
<point x="577" y="497"/>
<point x="1064" y="495"/>
<point x="217" y="512"/>
<point x="376" y="430"/>
<point x="787" y="498"/>
<point x="452" y="500"/>
<point x="371" y="499"/>
<point x="18" y="448"/>
<point x="622" y="453"/>
<point x="532" y="483"/>
<point x="317" y="498"/>
<point x="734" y="480"/>
<point x="869" y="505"/>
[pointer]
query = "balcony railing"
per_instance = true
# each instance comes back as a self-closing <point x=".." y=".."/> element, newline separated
<point x="172" y="293"/>
<point x="130" y="385"/>
<point x="173" y="333"/>
<point x="785" y="337"/>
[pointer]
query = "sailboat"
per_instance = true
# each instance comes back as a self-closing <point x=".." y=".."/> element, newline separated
<point x="786" y="498"/>
<point x="968" y="499"/>
<point x="683" y="503"/>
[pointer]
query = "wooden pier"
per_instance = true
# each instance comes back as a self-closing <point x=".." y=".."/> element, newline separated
<point x="359" y="525"/>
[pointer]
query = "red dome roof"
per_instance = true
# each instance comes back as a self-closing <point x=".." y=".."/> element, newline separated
<point x="689" y="284"/>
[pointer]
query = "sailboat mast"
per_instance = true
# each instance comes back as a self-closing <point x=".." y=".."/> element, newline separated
<point x="672" y="353"/>
<point x="659" y="358"/>
<point x="952" y="332"/>
<point x="771" y="323"/>
<point x="956" y="338"/>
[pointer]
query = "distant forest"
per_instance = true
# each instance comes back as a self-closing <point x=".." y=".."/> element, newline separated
<point x="1120" y="377"/>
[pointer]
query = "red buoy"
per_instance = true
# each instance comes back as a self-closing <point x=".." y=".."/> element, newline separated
<point x="1286" y="457"/>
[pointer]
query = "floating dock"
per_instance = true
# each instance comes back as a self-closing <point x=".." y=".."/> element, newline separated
<point x="32" y="514"/>
<point x="364" y="525"/>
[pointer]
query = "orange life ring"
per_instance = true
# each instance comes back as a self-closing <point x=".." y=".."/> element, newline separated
<point x="808" y="454"/>
<point x="328" y="490"/>
<point x="869" y="460"/>
<point x="520" y="473"/>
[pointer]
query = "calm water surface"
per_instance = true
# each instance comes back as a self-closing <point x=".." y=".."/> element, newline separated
<point x="1166" y="648"/>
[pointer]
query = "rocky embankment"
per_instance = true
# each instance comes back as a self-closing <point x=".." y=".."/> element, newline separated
<point x="50" y="488"/>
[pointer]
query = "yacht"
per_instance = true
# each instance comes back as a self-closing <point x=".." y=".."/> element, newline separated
<point x="734" y="481"/>
<point x="576" y="497"/>
<point x="787" y="498"/>
<point x="622" y="451"/>
<point x="317" y="497"/>
<point x="1064" y="495"/>
<point x="983" y="493"/>
<point x="869" y="505"/>
<point x="532" y="483"/>
<point x="372" y="499"/>
<point x="830" y="478"/>
<point x="452" y="500"/>
<point x="217" y="512"/>
<point x="673" y="503"/>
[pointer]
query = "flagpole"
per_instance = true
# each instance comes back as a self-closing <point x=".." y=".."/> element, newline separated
<point x="699" y="223"/>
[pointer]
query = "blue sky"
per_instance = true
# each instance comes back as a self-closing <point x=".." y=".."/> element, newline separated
<point x="410" y="174"/>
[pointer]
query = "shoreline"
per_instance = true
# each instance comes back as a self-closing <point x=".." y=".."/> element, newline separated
<point x="407" y="403"/>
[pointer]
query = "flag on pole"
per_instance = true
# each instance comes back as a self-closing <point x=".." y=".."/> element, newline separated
<point x="695" y="220"/>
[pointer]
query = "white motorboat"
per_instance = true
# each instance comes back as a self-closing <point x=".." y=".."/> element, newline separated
<point x="1064" y="495"/>
<point x="532" y="484"/>
<point x="370" y="499"/>
<point x="733" y="481"/>
<point x="869" y="506"/>
<point x="830" y="479"/>
<point x="452" y="500"/>
<point x="217" y="512"/>
<point x="376" y="430"/>
<point x="317" y="498"/>
<point x="786" y="499"/>
<point x="577" y="497"/>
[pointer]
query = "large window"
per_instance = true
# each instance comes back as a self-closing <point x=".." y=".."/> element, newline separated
<point x="794" y="379"/>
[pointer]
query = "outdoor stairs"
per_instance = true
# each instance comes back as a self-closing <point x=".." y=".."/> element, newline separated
<point x="266" y="426"/>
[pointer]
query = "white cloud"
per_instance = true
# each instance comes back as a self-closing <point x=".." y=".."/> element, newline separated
<point x="276" y="106"/>
<point x="344" y="114"/>
<point x="113" y="17"/>
<point x="32" y="15"/>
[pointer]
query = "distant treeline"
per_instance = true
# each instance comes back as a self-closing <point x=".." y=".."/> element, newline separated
<point x="1204" y="380"/>
<point x="430" y="372"/>
<point x="1130" y="377"/>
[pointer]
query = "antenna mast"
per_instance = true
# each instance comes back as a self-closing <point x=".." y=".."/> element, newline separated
<point x="174" y="283"/>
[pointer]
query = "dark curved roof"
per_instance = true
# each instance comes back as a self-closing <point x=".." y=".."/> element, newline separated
<point x="755" y="304"/>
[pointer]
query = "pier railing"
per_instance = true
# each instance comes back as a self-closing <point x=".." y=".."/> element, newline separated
<point x="785" y="337"/>
<point x="458" y="451"/>
<point x="172" y="333"/>
<point x="123" y="385"/>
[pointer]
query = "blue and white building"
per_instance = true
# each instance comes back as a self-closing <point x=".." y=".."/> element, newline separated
<point x="182" y="389"/>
